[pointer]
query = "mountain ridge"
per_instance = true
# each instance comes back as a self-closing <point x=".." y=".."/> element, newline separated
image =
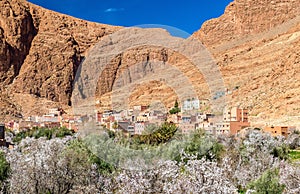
<point x="255" y="44"/>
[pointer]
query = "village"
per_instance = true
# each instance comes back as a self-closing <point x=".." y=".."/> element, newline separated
<point x="134" y="121"/>
<point x="235" y="120"/>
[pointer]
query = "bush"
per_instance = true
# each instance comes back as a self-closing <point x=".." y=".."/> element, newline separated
<point x="203" y="145"/>
<point x="4" y="167"/>
<point x="78" y="147"/>
<point x="175" y="109"/>
<point x="162" y="134"/>
<point x="38" y="132"/>
<point x="61" y="132"/>
<point x="268" y="183"/>
<point x="281" y="152"/>
<point x="294" y="155"/>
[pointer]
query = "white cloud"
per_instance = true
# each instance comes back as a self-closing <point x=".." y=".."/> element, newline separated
<point x="114" y="10"/>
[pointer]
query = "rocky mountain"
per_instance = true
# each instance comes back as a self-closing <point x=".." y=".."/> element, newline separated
<point x="255" y="44"/>
<point x="244" y="19"/>
<point x="143" y="65"/>
<point x="40" y="51"/>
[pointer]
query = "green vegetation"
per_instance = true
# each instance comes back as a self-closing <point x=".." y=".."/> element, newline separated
<point x="297" y="132"/>
<point x="38" y="132"/>
<point x="80" y="153"/>
<point x="241" y="190"/>
<point x="162" y="134"/>
<point x="203" y="145"/>
<point x="153" y="136"/>
<point x="281" y="152"/>
<point x="175" y="109"/>
<point x="115" y="125"/>
<point x="190" y="162"/>
<point x="294" y="155"/>
<point x="4" y="167"/>
<point x="268" y="183"/>
<point x="150" y="129"/>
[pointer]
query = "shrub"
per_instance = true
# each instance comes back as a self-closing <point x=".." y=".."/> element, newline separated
<point x="4" y="167"/>
<point x="175" y="109"/>
<point x="281" y="152"/>
<point x="162" y="134"/>
<point x="80" y="148"/>
<point x="38" y="132"/>
<point x="268" y="183"/>
<point x="203" y="145"/>
<point x="294" y="155"/>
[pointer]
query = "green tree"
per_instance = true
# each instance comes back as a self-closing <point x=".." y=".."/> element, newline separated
<point x="176" y="104"/>
<point x="203" y="145"/>
<point x="115" y="125"/>
<point x="80" y="149"/>
<point x="38" y="132"/>
<point x="268" y="183"/>
<point x="4" y="167"/>
<point x="175" y="109"/>
<point x="158" y="135"/>
<point x="150" y="129"/>
<point x="281" y="152"/>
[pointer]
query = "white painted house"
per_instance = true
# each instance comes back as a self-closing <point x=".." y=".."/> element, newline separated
<point x="190" y="104"/>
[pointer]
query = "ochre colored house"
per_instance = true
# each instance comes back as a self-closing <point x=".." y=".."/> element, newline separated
<point x="278" y="130"/>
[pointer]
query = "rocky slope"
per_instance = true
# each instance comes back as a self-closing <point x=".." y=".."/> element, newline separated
<point x="40" y="52"/>
<point x="256" y="44"/>
<point x="244" y="19"/>
<point x="145" y="65"/>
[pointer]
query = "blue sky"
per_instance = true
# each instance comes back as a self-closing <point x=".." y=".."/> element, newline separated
<point x="187" y="15"/>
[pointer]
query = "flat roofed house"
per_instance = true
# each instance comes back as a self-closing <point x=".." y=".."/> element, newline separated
<point x="237" y="118"/>
<point x="278" y="130"/>
<point x="190" y="104"/>
<point x="126" y="127"/>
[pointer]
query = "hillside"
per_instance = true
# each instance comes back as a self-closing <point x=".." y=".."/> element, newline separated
<point x="40" y="52"/>
<point x="255" y="44"/>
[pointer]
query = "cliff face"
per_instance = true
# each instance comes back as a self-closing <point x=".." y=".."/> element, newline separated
<point x="256" y="44"/>
<point x="17" y="30"/>
<point x="246" y="18"/>
<point x="146" y="65"/>
<point x="148" y="74"/>
<point x="41" y="50"/>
